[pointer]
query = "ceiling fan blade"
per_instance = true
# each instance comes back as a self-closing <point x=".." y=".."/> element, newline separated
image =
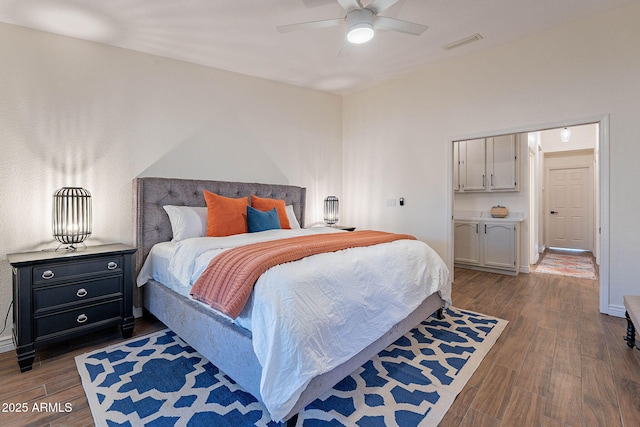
<point x="385" y="23"/>
<point x="310" y="25"/>
<point x="379" y="6"/>
<point x="309" y="4"/>
<point x="349" y="5"/>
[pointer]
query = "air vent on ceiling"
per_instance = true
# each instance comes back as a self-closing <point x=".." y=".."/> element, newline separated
<point x="463" y="41"/>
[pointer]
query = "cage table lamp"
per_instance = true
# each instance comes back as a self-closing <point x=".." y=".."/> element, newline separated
<point x="71" y="216"/>
<point x="331" y="207"/>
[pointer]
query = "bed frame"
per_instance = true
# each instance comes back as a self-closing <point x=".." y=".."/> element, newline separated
<point x="225" y="344"/>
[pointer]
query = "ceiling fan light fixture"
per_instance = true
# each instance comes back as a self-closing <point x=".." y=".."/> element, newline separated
<point x="360" y="26"/>
<point x="360" y="33"/>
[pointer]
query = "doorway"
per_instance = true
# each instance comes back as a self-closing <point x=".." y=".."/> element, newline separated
<point x="533" y="172"/>
<point x="569" y="190"/>
<point x="570" y="198"/>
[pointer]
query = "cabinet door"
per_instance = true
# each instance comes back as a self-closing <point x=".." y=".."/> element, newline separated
<point x="474" y="152"/>
<point x="466" y="243"/>
<point x="503" y="162"/>
<point x="499" y="245"/>
<point x="456" y="166"/>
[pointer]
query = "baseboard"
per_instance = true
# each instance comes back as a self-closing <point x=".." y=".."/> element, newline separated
<point x="525" y="269"/>
<point x="6" y="344"/>
<point x="616" y="310"/>
<point x="488" y="269"/>
<point x="137" y="312"/>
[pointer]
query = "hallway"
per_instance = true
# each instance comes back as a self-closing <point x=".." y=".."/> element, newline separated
<point x="564" y="262"/>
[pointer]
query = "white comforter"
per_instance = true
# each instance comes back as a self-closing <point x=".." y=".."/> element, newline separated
<point x="309" y="316"/>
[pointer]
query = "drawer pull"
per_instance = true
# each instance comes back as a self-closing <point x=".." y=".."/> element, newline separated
<point x="82" y="292"/>
<point x="48" y="274"/>
<point x="82" y="318"/>
<point x="112" y="265"/>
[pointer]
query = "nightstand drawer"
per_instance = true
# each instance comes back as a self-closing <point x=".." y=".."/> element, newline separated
<point x="68" y="320"/>
<point x="50" y="273"/>
<point x="48" y="297"/>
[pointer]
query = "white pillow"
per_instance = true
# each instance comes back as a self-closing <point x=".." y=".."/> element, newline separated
<point x="187" y="221"/>
<point x="293" y="221"/>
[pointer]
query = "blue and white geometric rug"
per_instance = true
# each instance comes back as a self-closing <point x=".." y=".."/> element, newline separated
<point x="158" y="380"/>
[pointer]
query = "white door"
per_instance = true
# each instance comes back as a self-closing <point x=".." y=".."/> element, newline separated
<point x="570" y="210"/>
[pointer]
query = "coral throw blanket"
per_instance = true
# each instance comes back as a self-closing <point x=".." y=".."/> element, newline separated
<point x="228" y="280"/>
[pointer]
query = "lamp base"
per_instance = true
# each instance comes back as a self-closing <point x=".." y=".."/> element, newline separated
<point x="70" y="247"/>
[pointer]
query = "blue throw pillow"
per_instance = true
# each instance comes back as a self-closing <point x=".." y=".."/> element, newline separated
<point x="258" y="220"/>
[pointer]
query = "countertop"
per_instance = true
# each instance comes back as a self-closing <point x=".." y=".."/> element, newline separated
<point x="486" y="216"/>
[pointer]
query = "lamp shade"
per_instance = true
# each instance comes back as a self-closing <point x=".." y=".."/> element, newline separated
<point x="331" y="207"/>
<point x="71" y="217"/>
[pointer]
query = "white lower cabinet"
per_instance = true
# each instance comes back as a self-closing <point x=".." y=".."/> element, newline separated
<point x="467" y="242"/>
<point x="487" y="245"/>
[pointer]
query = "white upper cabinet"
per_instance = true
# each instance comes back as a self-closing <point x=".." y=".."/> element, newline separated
<point x="456" y="166"/>
<point x="470" y="164"/>
<point x="475" y="155"/>
<point x="486" y="164"/>
<point x="502" y="156"/>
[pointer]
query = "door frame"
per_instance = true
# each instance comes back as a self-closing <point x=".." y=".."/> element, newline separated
<point x="602" y="239"/>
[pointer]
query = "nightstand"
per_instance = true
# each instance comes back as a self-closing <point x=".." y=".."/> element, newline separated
<point x="62" y="295"/>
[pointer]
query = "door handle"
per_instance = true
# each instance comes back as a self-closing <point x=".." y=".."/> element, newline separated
<point x="554" y="212"/>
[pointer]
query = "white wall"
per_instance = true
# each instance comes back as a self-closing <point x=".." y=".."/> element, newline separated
<point x="81" y="113"/>
<point x="396" y="135"/>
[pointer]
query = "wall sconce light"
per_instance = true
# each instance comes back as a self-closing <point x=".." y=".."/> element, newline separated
<point x="565" y="135"/>
<point x="331" y="210"/>
<point x="71" y="216"/>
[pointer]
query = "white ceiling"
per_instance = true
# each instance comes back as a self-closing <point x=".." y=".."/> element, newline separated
<point x="241" y="36"/>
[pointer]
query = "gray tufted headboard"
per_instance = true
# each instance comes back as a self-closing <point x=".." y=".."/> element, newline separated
<point x="151" y="223"/>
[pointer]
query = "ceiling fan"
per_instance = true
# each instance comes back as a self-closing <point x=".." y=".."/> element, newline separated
<point x="361" y="21"/>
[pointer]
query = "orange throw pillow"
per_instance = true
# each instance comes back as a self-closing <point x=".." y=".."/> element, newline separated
<point x="265" y="205"/>
<point x="226" y="216"/>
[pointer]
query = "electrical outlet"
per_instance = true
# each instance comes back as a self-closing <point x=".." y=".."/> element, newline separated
<point x="390" y="203"/>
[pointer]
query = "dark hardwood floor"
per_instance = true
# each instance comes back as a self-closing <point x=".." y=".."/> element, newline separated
<point x="559" y="362"/>
<point x="54" y="379"/>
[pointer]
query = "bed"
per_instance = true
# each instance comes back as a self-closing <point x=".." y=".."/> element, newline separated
<point x="224" y="342"/>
